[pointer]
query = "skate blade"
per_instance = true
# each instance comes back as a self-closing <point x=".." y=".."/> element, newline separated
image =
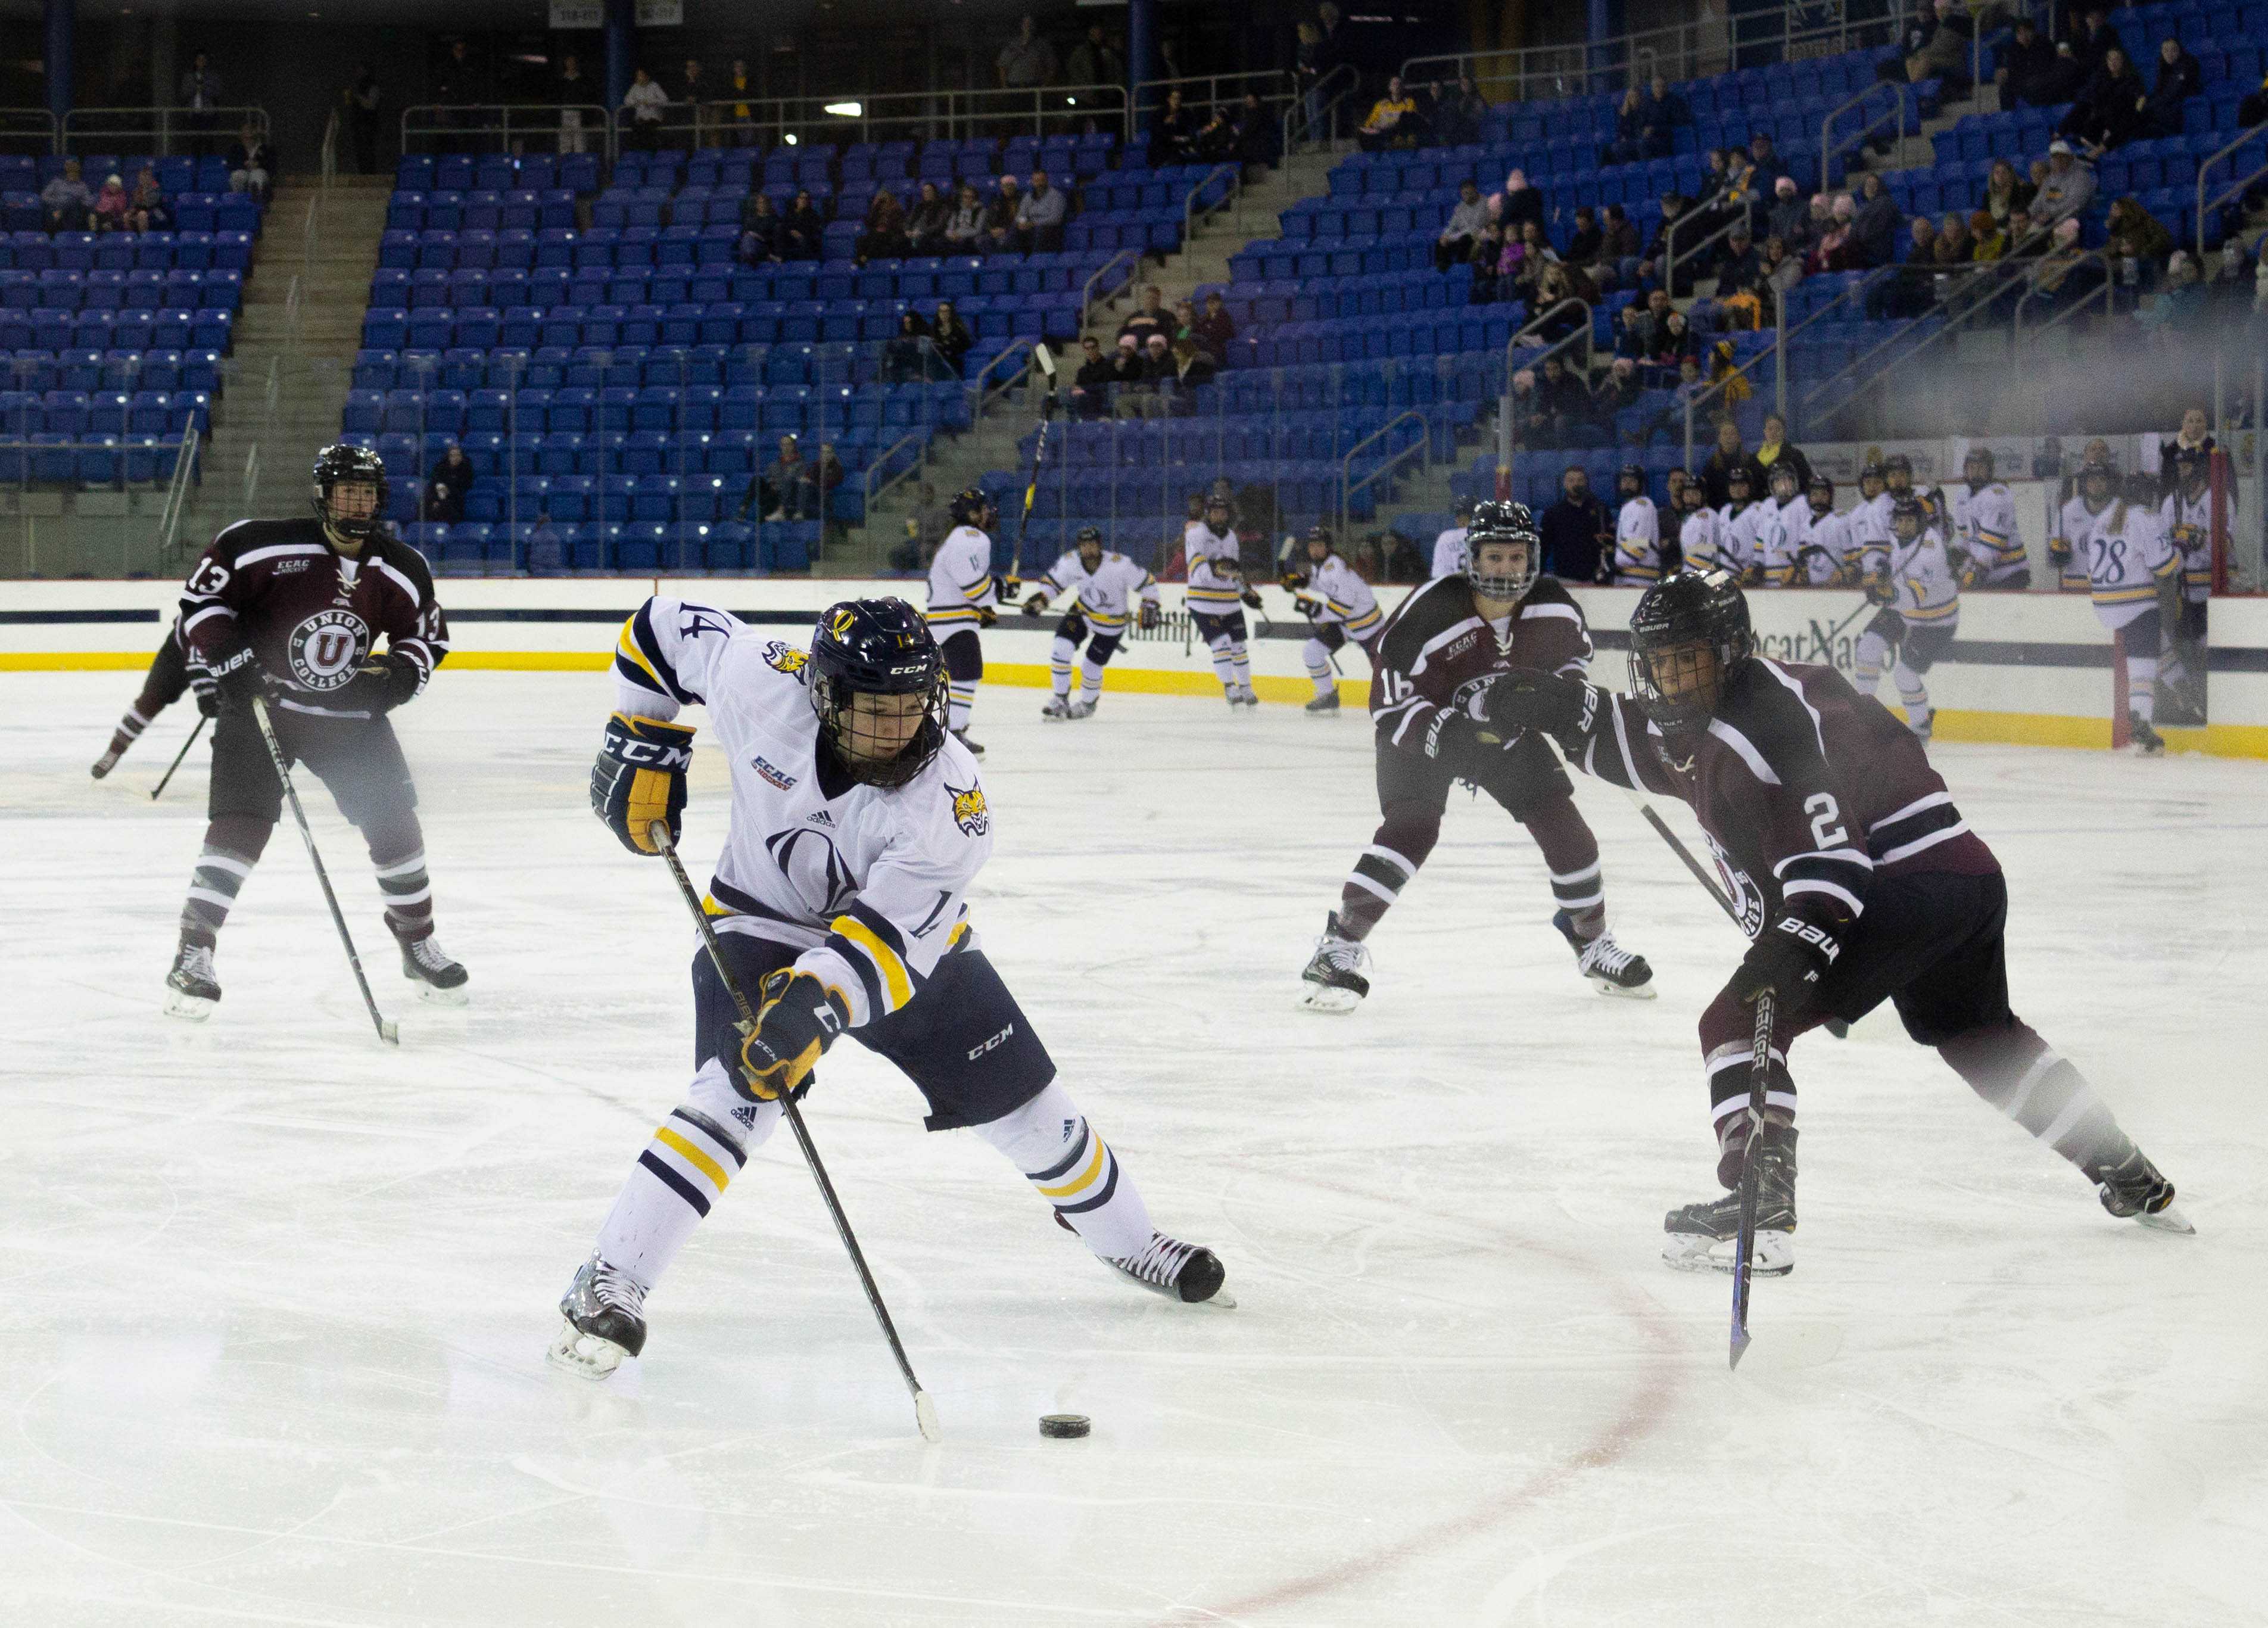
<point x="188" y="1008"/>
<point x="1328" y="1001"/>
<point x="585" y="1356"/>
<point x="1775" y="1255"/>
<point x="433" y="995"/>
<point x="1607" y="986"/>
<point x="1221" y="1298"/>
<point x="2167" y="1220"/>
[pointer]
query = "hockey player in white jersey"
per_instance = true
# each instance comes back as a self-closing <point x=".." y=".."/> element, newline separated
<point x="2119" y="552"/>
<point x="857" y="826"/>
<point x="1782" y="531"/>
<point x="1824" y="557"/>
<point x="1449" y="543"/>
<point x="1913" y="581"/>
<point x="1637" y="532"/>
<point x="1339" y="607"/>
<point x="1106" y="590"/>
<point x="1217" y="597"/>
<point x="2186" y="516"/>
<point x="1990" y="548"/>
<point x="1742" y="545"/>
<point x="1700" y="529"/>
<point x="1870" y="515"/>
<point x="964" y="595"/>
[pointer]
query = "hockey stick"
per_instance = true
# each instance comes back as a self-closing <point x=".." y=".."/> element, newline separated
<point x="178" y="756"/>
<point x="1751" y="1174"/>
<point x="1835" y="1027"/>
<point x="924" y="1409"/>
<point x="387" y="1031"/>
<point x="1047" y="365"/>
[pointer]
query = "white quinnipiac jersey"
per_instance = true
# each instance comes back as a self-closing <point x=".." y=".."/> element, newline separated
<point x="1344" y="597"/>
<point x="2188" y="522"/>
<point x="1701" y="538"/>
<point x="1449" y="551"/>
<point x="1924" y="591"/>
<point x="1782" y="534"/>
<point x="867" y="883"/>
<point x="1821" y="553"/>
<point x="1637" y="543"/>
<point x="961" y="581"/>
<point x="2119" y="556"/>
<point x="1985" y="524"/>
<point x="1216" y="581"/>
<point x="1104" y="596"/>
<point x="1742" y="546"/>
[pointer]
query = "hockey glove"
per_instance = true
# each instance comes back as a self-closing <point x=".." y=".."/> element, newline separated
<point x="986" y="616"/>
<point x="1251" y="598"/>
<point x="239" y="678"/>
<point x="1148" y="615"/>
<point x="640" y="778"/>
<point x="1789" y="959"/>
<point x="383" y="683"/>
<point x="208" y="693"/>
<point x="1879" y="590"/>
<point x="1544" y="701"/>
<point x="1293" y="580"/>
<point x="1463" y="745"/>
<point x="1305" y="606"/>
<point x="796" y="1022"/>
<point x="1034" y="604"/>
<point x="2060" y="550"/>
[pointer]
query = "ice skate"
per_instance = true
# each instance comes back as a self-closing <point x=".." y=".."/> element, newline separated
<point x="1186" y="1272"/>
<point x="605" y="1309"/>
<point x="108" y="761"/>
<point x="1335" y="976"/>
<point x="2144" y="741"/>
<point x="1245" y="696"/>
<point x="191" y="988"/>
<point x="1057" y="708"/>
<point x="1081" y="708"/>
<point x="1925" y="730"/>
<point x="1327" y="701"/>
<point x="1615" y="970"/>
<point x="975" y="750"/>
<point x="2133" y="1189"/>
<point x="438" y="978"/>
<point x="1706" y="1237"/>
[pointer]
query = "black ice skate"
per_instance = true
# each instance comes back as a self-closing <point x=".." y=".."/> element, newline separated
<point x="1186" y="1272"/>
<point x="1334" y="977"/>
<point x="1327" y="701"/>
<point x="439" y="979"/>
<point x="2145" y="742"/>
<point x="191" y="988"/>
<point x="605" y="1309"/>
<point x="2132" y="1189"/>
<point x="1615" y="970"/>
<point x="1057" y="708"/>
<point x="975" y="750"/>
<point x="1706" y="1237"/>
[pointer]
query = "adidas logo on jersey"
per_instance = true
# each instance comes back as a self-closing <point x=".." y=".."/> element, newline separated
<point x="821" y="817"/>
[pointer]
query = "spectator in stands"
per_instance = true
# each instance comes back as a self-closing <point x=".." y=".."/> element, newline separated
<point x="1216" y="136"/>
<point x="1738" y="263"/>
<point x="1517" y="204"/>
<point x="1665" y="112"/>
<point x="1394" y="121"/>
<point x="1536" y="255"/>
<point x="884" y="234"/>
<point x="1953" y="247"/>
<point x="1094" y="61"/>
<point x="1621" y="246"/>
<point x="1655" y="267"/>
<point x="146" y="209"/>
<point x="1090" y="389"/>
<point x="1763" y="158"/>
<point x="1775" y="449"/>
<point x="802" y="232"/>
<point x="448" y="484"/>
<point x="1214" y="328"/>
<point x="1154" y="369"/>
<point x="1989" y="237"/>
<point x="1185" y="319"/>
<point x="2025" y="62"/>
<point x="2108" y="113"/>
<point x="1577" y="532"/>
<point x="951" y="336"/>
<point x="1173" y="133"/>
<point x="1619" y="392"/>
<point x="1946" y="54"/>
<point x="251" y="163"/>
<point x="1874" y="228"/>
<point x="2137" y="242"/>
<point x="1789" y="218"/>
<point x="1130" y="378"/>
<point x="1488" y="265"/>
<point x="2179" y="79"/>
<point x="1026" y="61"/>
<point x="1000" y="218"/>
<point x="1742" y="193"/>
<point x="2095" y="38"/>
<point x="1629" y="145"/>
<point x="1633" y="334"/>
<point x="1558" y="411"/>
<point x="1306" y="72"/>
<point x="1908" y="293"/>
<point x="646" y="102"/>
<point x="64" y="202"/>
<point x="1728" y="455"/>
<point x="110" y="205"/>
<point x="1150" y="317"/>
<point x="2179" y="309"/>
<point x="573" y="93"/>
<point x="1742" y="306"/>
<point x="360" y="101"/>
<point x="905" y="358"/>
<point x="1463" y="230"/>
<point x="761" y="230"/>
<point x="1584" y="242"/>
<point x="690" y="93"/>
<point x="200" y="94"/>
<point x="926" y="226"/>
<point x="1715" y="174"/>
<point x="1191" y="367"/>
<point x="826" y="474"/>
<point x="789" y="488"/>
<point x="1778" y="269"/>
<point x="1834" y="249"/>
<point x="1460" y="116"/>
<point x="545" y="550"/>
<point x="1259" y="133"/>
<point x="2007" y="194"/>
<point x="742" y="115"/>
<point x="1039" y="217"/>
<point x="1674" y="340"/>
<point x="2069" y="186"/>
<point x="459" y="88"/>
<point x="964" y="230"/>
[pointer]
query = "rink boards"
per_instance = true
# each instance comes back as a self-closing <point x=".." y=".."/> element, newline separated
<point x="2030" y="669"/>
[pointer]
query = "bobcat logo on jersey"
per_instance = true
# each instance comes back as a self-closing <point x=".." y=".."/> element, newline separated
<point x="785" y="657"/>
<point x="968" y="810"/>
<point x="326" y="648"/>
<point x="812" y="867"/>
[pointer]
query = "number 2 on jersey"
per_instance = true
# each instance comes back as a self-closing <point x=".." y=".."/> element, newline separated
<point x="1825" y="830"/>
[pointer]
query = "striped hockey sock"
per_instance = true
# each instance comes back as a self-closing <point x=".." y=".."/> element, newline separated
<point x="1239" y="664"/>
<point x="960" y="699"/>
<point x="1572" y="855"/>
<point x="212" y="893"/>
<point x="1913" y="694"/>
<point x="1319" y="665"/>
<point x="1224" y="662"/>
<point x="1090" y="679"/>
<point x="2142" y="687"/>
<point x="1060" y="656"/>
<point x="1867" y="661"/>
<point x="129" y="731"/>
<point x="409" y="896"/>
<point x="684" y="1169"/>
<point x="1071" y="1166"/>
<point x="2019" y="1074"/>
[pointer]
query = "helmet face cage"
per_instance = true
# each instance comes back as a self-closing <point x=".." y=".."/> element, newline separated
<point x="1501" y="523"/>
<point x="2098" y="469"/>
<point x="1906" y="520"/>
<point x="342" y="465"/>
<point x="1688" y="635"/>
<point x="877" y="647"/>
<point x="1782" y="475"/>
<point x="970" y="507"/>
<point x="1631" y="482"/>
<point x="1979" y="459"/>
<point x="1089" y="537"/>
<point x="2189" y="469"/>
<point x="1898" y="466"/>
<point x="1737" y="484"/>
<point x="1873" y="472"/>
<point x="1322" y="534"/>
<point x="1822" y="494"/>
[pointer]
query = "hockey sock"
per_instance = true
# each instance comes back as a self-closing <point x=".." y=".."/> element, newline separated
<point x="1090" y="679"/>
<point x="1913" y="693"/>
<point x="233" y="845"/>
<point x="1240" y="664"/>
<point x="1386" y="867"/>
<point x="397" y="852"/>
<point x="130" y="728"/>
<point x="1729" y="1051"/>
<point x="686" y="1167"/>
<point x="1571" y="853"/>
<point x="1067" y="1164"/>
<point x="1059" y="660"/>
<point x="1224" y="662"/>
<point x="2142" y="687"/>
<point x="2011" y="1067"/>
<point x="1319" y="665"/>
<point x="961" y="699"/>
<point x="1866" y="661"/>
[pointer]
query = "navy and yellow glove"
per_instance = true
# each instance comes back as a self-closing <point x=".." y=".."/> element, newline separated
<point x="640" y="778"/>
<point x="1148" y="615"/>
<point x="796" y="1022"/>
<point x="1251" y="597"/>
<point x="2060" y="550"/>
<point x="1305" y="606"/>
<point x="1034" y="604"/>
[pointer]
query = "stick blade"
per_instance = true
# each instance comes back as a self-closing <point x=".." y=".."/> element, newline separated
<point x="1740" y="1345"/>
<point x="389" y="1031"/>
<point x="926" y="1415"/>
<point x="1047" y="363"/>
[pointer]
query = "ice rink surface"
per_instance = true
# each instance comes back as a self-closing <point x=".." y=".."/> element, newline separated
<point x="277" y="1298"/>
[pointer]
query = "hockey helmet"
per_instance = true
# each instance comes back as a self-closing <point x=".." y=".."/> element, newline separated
<point x="1498" y="523"/>
<point x="970" y="506"/>
<point x="1738" y="476"/>
<point x="2098" y="477"/>
<point x="1907" y="518"/>
<point x="1089" y="535"/>
<point x="2191" y="469"/>
<point x="1875" y="475"/>
<point x="1322" y="534"/>
<point x="339" y="465"/>
<point x="1894" y="466"/>
<point x="1782" y="475"/>
<point x="1977" y="467"/>
<point x="874" y="651"/>
<point x="1464" y="511"/>
<point x="1630" y="481"/>
<point x="1689" y="633"/>
<point x="1821" y="493"/>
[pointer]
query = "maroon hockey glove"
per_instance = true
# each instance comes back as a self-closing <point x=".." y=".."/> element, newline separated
<point x="383" y="683"/>
<point x="239" y="678"/>
<point x="1789" y="958"/>
<point x="1544" y="701"/>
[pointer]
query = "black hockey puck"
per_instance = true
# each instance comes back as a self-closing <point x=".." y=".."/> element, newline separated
<point x="1064" y="1425"/>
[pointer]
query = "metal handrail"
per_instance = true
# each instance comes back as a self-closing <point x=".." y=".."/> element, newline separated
<point x="1424" y="447"/>
<point x="2228" y="191"/>
<point x="310" y="238"/>
<point x="1274" y="84"/>
<point x="1088" y="298"/>
<point x="251" y="489"/>
<point x="330" y="151"/>
<point x="871" y="492"/>
<point x="981" y="395"/>
<point x="79" y="124"/>
<point x="1294" y="114"/>
<point x="942" y="114"/>
<point x="529" y="119"/>
<point x="2108" y="291"/>
<point x="45" y="127"/>
<point x="177" y="489"/>
<point x="1828" y="147"/>
<point x="1738" y="223"/>
<point x="291" y="316"/>
<point x="1503" y="411"/>
<point x="1190" y="211"/>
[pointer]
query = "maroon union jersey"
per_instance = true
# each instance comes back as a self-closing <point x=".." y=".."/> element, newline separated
<point x="311" y="615"/>
<point x="1806" y="790"/>
<point x="1437" y="652"/>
